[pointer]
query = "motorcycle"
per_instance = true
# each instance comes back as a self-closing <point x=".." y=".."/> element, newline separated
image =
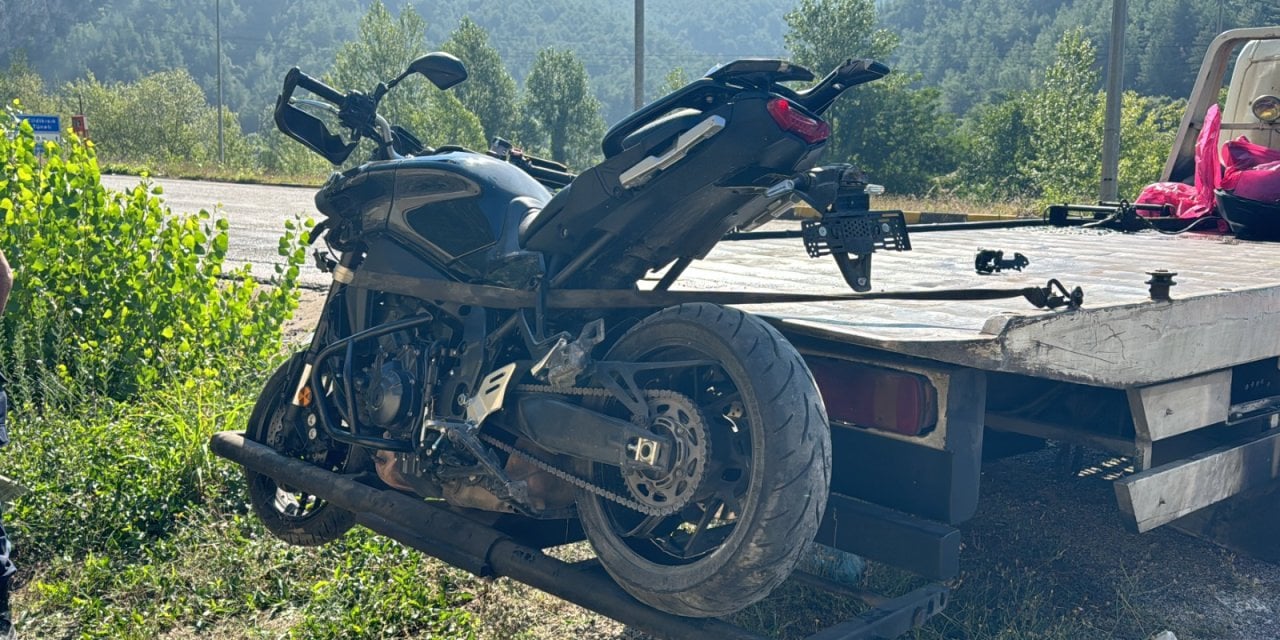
<point x="485" y="341"/>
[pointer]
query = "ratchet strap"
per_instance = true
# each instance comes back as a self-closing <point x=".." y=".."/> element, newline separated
<point x="1050" y="296"/>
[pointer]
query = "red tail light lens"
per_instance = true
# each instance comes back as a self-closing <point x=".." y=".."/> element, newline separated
<point x="790" y="118"/>
<point x="875" y="397"/>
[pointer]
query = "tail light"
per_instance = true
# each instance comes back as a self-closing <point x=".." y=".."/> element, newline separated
<point x="875" y="397"/>
<point x="791" y="119"/>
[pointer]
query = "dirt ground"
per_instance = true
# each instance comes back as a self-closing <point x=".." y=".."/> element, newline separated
<point x="1063" y="538"/>
<point x="1047" y="556"/>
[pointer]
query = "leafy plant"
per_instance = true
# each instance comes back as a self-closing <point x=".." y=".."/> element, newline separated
<point x="114" y="291"/>
<point x="1045" y="143"/>
<point x="1067" y="144"/>
<point x="385" y="45"/>
<point x="489" y="91"/>
<point x="160" y="118"/>
<point x="562" y="116"/>
<point x="899" y="134"/>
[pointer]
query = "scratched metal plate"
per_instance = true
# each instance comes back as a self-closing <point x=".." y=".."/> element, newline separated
<point x="1226" y="308"/>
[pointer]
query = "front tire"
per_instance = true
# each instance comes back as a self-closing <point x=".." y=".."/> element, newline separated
<point x="768" y="466"/>
<point x="290" y="515"/>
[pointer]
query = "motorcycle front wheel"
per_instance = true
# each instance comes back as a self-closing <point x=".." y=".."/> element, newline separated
<point x="295" y="516"/>
<point x="749" y="471"/>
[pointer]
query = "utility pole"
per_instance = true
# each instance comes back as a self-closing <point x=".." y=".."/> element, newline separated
<point x="218" y="36"/>
<point x="1109" y="190"/>
<point x="639" y="73"/>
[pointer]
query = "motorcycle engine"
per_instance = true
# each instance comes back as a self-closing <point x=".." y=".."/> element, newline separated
<point x="388" y="387"/>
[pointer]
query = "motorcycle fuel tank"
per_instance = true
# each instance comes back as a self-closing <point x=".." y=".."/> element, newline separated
<point x="461" y="209"/>
<point x="457" y="210"/>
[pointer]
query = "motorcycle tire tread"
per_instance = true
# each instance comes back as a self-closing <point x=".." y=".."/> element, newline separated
<point x="796" y="477"/>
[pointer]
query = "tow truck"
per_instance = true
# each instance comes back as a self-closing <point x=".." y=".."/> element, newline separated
<point x="1171" y="362"/>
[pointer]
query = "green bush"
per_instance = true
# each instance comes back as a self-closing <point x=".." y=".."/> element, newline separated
<point x="131" y="346"/>
<point x="1046" y="143"/>
<point x="114" y="291"/>
<point x="159" y="119"/>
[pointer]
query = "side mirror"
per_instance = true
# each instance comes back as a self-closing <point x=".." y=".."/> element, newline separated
<point x="442" y="69"/>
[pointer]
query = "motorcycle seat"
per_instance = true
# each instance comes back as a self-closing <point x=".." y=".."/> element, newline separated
<point x="663" y="129"/>
<point x="592" y="196"/>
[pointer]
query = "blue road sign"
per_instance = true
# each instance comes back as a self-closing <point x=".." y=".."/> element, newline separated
<point x="44" y="124"/>
<point x="48" y="128"/>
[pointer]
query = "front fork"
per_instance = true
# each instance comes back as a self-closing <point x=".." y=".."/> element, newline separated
<point x="334" y="313"/>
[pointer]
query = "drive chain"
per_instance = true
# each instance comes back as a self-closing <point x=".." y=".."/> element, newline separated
<point x="581" y="483"/>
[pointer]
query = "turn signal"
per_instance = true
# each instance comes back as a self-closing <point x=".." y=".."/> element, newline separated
<point x="304" y="396"/>
<point x="790" y="118"/>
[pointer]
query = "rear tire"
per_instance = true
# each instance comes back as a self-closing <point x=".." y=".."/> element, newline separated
<point x="767" y="474"/>
<point x="292" y="516"/>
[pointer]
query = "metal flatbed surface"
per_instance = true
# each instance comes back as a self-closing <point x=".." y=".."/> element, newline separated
<point x="1225" y="309"/>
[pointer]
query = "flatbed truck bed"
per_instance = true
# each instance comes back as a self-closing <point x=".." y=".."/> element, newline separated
<point x="1185" y="390"/>
<point x="1224" y="311"/>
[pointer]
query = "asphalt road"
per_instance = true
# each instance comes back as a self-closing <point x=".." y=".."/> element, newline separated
<point x="257" y="214"/>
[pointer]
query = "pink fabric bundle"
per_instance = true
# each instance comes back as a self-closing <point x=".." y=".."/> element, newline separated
<point x="1253" y="171"/>
<point x="1188" y="201"/>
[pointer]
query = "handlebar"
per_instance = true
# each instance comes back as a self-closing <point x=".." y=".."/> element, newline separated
<point x="354" y="110"/>
<point x="296" y="78"/>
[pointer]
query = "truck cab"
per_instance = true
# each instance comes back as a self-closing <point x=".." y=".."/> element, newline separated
<point x="1254" y="79"/>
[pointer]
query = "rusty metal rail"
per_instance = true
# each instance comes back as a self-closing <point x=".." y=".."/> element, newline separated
<point x="485" y="551"/>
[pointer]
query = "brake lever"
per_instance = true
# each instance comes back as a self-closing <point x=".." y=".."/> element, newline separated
<point x="314" y="233"/>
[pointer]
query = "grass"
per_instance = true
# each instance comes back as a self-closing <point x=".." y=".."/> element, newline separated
<point x="1009" y="208"/>
<point x="134" y="531"/>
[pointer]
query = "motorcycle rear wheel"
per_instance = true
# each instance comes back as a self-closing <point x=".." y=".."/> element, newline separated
<point x="291" y="515"/>
<point x="766" y="477"/>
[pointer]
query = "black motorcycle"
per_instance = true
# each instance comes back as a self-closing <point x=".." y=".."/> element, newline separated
<point x="497" y="347"/>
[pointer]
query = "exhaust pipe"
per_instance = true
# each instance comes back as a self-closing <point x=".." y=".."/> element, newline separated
<point x="435" y="530"/>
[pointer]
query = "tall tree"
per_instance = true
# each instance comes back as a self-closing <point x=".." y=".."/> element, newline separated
<point x="563" y="114"/>
<point x="489" y="91"/>
<point x="31" y="25"/>
<point x="21" y="82"/>
<point x="996" y="149"/>
<point x="900" y="135"/>
<point x="383" y="48"/>
<point x="1171" y="56"/>
<point x="1067" y="141"/>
